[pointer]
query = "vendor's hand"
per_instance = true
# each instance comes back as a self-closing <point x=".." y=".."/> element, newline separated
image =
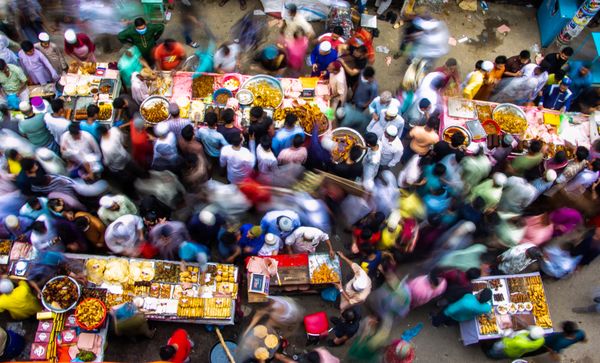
<point x="519" y="73"/>
<point x="340" y="253"/>
<point x="331" y="254"/>
<point x="315" y="67"/>
<point x="375" y="117"/>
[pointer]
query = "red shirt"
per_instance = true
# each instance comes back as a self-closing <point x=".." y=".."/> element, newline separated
<point x="373" y="240"/>
<point x="180" y="338"/>
<point x="169" y="60"/>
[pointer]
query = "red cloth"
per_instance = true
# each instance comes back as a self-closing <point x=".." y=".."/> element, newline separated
<point x="169" y="60"/>
<point x="316" y="324"/>
<point x="81" y="39"/>
<point x="254" y="191"/>
<point x="141" y="147"/>
<point x="148" y="251"/>
<point x="372" y="241"/>
<point x="181" y="340"/>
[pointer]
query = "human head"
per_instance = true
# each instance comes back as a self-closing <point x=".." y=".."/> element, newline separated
<point x="292" y="9"/>
<point x="256" y="113"/>
<point x="169" y="44"/>
<point x="3" y="66"/>
<point x="439" y="169"/>
<point x="173" y="109"/>
<point x="566" y="53"/>
<point x="39" y="227"/>
<point x="92" y="111"/>
<point x="535" y="146"/>
<point x="290" y="120"/>
<point x="167" y="351"/>
<point x="391" y="113"/>
<point x="355" y="153"/>
<point x="334" y="67"/>
<point x="337" y="32"/>
<point x="74" y="130"/>
<point x="228" y="115"/>
<point x="254" y="232"/>
<point x="533" y="253"/>
<point x="187" y="133"/>
<point x="500" y="62"/>
<point x="324" y="48"/>
<point x="6" y="286"/>
<point x="499" y="179"/>
<point x="487" y="66"/>
<point x="582" y="153"/>
<point x="11" y="221"/>
<point x="359" y="52"/>
<point x="56" y="204"/>
<point x="457" y="139"/>
<point x="107" y="202"/>
<point x="298" y="140"/>
<point x="473" y="273"/>
<point x="140" y="25"/>
<point x="360" y="283"/>
<point x="57" y="105"/>
<point x="595" y="165"/>
<point x="70" y="36"/>
<point x="485" y="295"/>
<point x="285" y="224"/>
<point x="119" y="103"/>
<point x="230" y="238"/>
<point x="211" y="119"/>
<point x="349" y="315"/>
<point x="584" y="69"/>
<point x="524" y="56"/>
<point x="82" y="223"/>
<point x="371" y="139"/>
<point x="569" y="327"/>
<point x="235" y="139"/>
<point x="391" y="132"/>
<point x="27" y="47"/>
<point x="564" y="84"/>
<point x="207" y="217"/>
<point x="432" y="122"/>
<point x="385" y="98"/>
<point x="550" y="175"/>
<point x="536" y="332"/>
<point x="478" y="64"/>
<point x="451" y="64"/>
<point x="369" y="73"/>
<point x="424" y="104"/>
<point x="25" y="108"/>
<point x="161" y="129"/>
<point x="44" y="39"/>
<point x="265" y="142"/>
<point x="103" y="130"/>
<point x="29" y="165"/>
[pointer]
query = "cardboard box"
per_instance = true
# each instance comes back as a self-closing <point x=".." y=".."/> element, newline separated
<point x="68" y="336"/>
<point x="42" y="337"/>
<point x="38" y="351"/>
<point x="45" y="326"/>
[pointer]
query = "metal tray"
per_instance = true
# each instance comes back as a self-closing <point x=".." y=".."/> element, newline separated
<point x="264" y="78"/>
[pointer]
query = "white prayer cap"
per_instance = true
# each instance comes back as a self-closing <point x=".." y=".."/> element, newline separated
<point x="70" y="36"/>
<point x="44" y="37"/>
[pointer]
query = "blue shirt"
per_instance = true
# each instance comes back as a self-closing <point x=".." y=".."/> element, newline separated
<point x="558" y="341"/>
<point x="554" y="99"/>
<point x="284" y="137"/>
<point x="269" y="222"/>
<point x="322" y="60"/>
<point x="255" y="243"/>
<point x="212" y="140"/>
<point x="189" y="250"/>
<point x="365" y="92"/>
<point x="467" y="308"/>
<point x="91" y="129"/>
<point x="579" y="82"/>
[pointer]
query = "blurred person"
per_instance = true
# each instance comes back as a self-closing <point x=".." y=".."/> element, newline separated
<point x="252" y="239"/>
<point x="382" y="103"/>
<point x="391" y="148"/>
<point x="295" y="154"/>
<point x="521" y="90"/>
<point x="356" y="289"/>
<point x="422" y="139"/>
<point x="366" y="89"/>
<point x="79" y="46"/>
<point x="387" y="117"/>
<point x="12" y="343"/>
<point x="556" y="342"/>
<point x="131" y="61"/>
<point x="295" y="49"/>
<point x="581" y="77"/>
<point x="212" y="140"/>
<point x="227" y="58"/>
<point x="554" y="62"/>
<point x="345" y="327"/>
<point x="189" y="145"/>
<point x="168" y="55"/>
<point x="294" y="22"/>
<point x="431" y="41"/>
<point x="518" y="343"/>
<point x="139" y="86"/>
<point x="14" y="84"/>
<point x="33" y="127"/>
<point x="272" y="59"/>
<point x="189" y="20"/>
<point x="284" y="137"/>
<point x="6" y="53"/>
<point x="178" y="348"/>
<point x="141" y="144"/>
<point x="418" y="113"/>
<point x="76" y="145"/>
<point x="55" y="121"/>
<point x="143" y="35"/>
<point x="29" y="16"/>
<point x="466" y="308"/>
<point x="475" y="168"/>
<point x="335" y="37"/>
<point x="354" y="60"/>
<point x="15" y="227"/>
<point x="425" y="288"/>
<point x="19" y="301"/>
<point x="338" y="87"/>
<point x="371" y="160"/>
<point x="594" y="308"/>
<point x="557" y="97"/>
<point x="228" y="129"/>
<point x="281" y="223"/>
<point x="523" y="164"/>
<point x="238" y="160"/>
<point x="431" y="88"/>
<point x="52" y="52"/>
<point x="516" y="259"/>
<point x="166" y="237"/>
<point x="166" y="156"/>
<point x="129" y="321"/>
<point x="451" y="77"/>
<point x="490" y="190"/>
<point x="125" y="108"/>
<point x="91" y="226"/>
<point x="91" y="124"/>
<point x="476" y="80"/>
<point x="351" y="168"/>
<point x="492" y="79"/>
<point x="260" y="124"/>
<point x="229" y="247"/>
<point x="306" y="240"/>
<point x="515" y="64"/>
<point x="517" y="195"/>
<point x="205" y="225"/>
<point x="321" y="57"/>
<point x="588" y="248"/>
<point x="125" y="235"/>
<point x="281" y="313"/>
<point x="176" y="123"/>
<point x="585" y="179"/>
<point x="114" y="206"/>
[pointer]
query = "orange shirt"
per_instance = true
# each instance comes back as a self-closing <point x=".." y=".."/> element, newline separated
<point x="169" y="60"/>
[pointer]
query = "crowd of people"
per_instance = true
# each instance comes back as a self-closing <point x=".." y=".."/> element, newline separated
<point x="177" y="192"/>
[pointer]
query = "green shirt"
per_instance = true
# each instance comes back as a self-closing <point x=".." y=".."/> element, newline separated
<point x="14" y="81"/>
<point x="523" y="163"/>
<point x="520" y="345"/>
<point x="145" y="42"/>
<point x="34" y="129"/>
<point x="126" y="206"/>
<point x="488" y="192"/>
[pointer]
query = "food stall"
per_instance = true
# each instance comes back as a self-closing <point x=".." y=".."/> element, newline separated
<point x="518" y="301"/>
<point x="197" y="94"/>
<point x="91" y="83"/>
<point x="484" y="121"/>
<point x="286" y="273"/>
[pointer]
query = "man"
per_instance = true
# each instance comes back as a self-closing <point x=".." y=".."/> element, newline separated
<point x="492" y="79"/>
<point x="335" y="37"/>
<point x="345" y="327"/>
<point x="281" y="223"/>
<point x="36" y="65"/>
<point x="260" y="124"/>
<point x="476" y="80"/>
<point x="466" y="308"/>
<point x="354" y="62"/>
<point x="524" y="163"/>
<point x="418" y="113"/>
<point x="176" y="123"/>
<point x="515" y="63"/>
<point x="391" y="147"/>
<point x="211" y="139"/>
<point x="115" y="206"/>
<point x="295" y="22"/>
<point x="284" y="137"/>
<point x="139" y="86"/>
<point x="386" y="118"/>
<point x="430" y="88"/>
<point x="451" y="77"/>
<point x="518" y="344"/>
<point x="91" y="226"/>
<point x="125" y="107"/>
<point x="490" y="190"/>
<point x="295" y="154"/>
<point x="13" y="82"/>
<point x="179" y="346"/>
<point x="350" y="168"/>
<point x="228" y="129"/>
<point x="114" y="155"/>
<point x="357" y="289"/>
<point x="76" y="145"/>
<point x="554" y="62"/>
<point x="252" y="239"/>
<point x="516" y="259"/>
<point x="91" y="122"/>
<point x="15" y="227"/>
<point x="124" y="235"/>
<point x="581" y="77"/>
<point x="166" y="155"/>
<point x="142" y="35"/>
<point x="382" y="103"/>
<point x="557" y="97"/>
<point x="34" y="128"/>
<point x="556" y="342"/>
<point x="55" y="121"/>
<point x="52" y="52"/>
<point x="337" y="85"/>
<point x="20" y="302"/>
<point x="321" y="56"/>
<point x="238" y="160"/>
<point x="165" y="239"/>
<point x="366" y="90"/>
<point x="227" y="58"/>
<point x="169" y="55"/>
<point x="306" y="240"/>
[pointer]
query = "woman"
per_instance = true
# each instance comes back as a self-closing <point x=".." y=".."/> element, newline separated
<point x="52" y="52"/>
<point x="36" y="65"/>
<point x="5" y="53"/>
<point x="79" y="46"/>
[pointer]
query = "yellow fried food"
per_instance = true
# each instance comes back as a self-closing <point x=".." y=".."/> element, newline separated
<point x="95" y="269"/>
<point x="324" y="274"/>
<point x="487" y="324"/>
<point x="202" y="86"/>
<point x="271" y="341"/>
<point x="90" y="312"/>
<point x="265" y="94"/>
<point x="105" y="111"/>
<point x="510" y="122"/>
<point x="155" y="113"/>
<point x="344" y="143"/>
<point x="538" y="300"/>
<point x="261" y="353"/>
<point x="141" y="271"/>
<point x="308" y="115"/>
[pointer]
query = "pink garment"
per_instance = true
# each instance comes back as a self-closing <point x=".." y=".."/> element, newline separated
<point x="537" y="232"/>
<point x="325" y="356"/>
<point x="292" y="155"/>
<point x="421" y="291"/>
<point x="296" y="50"/>
<point x="565" y="220"/>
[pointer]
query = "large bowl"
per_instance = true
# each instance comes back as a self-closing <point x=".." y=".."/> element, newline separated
<point x="272" y="81"/>
<point x="48" y="305"/>
<point x="342" y="131"/>
<point x="150" y="101"/>
<point x="450" y="130"/>
<point x="228" y="77"/>
<point x="98" y="324"/>
<point x="509" y="108"/>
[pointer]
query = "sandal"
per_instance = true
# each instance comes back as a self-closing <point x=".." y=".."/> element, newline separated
<point x="243" y="5"/>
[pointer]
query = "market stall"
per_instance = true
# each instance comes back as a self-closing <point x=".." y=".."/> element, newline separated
<point x="287" y="273"/>
<point x="197" y="94"/>
<point x="485" y="121"/>
<point x="518" y="301"/>
<point x="92" y="83"/>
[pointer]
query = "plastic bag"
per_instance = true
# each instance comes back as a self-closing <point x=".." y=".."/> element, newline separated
<point x="13" y="101"/>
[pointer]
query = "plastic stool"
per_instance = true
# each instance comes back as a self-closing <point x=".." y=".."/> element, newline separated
<point x="152" y="7"/>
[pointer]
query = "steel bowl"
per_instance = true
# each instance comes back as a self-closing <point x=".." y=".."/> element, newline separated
<point x="48" y="305"/>
<point x="342" y="131"/>
<point x="149" y="102"/>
